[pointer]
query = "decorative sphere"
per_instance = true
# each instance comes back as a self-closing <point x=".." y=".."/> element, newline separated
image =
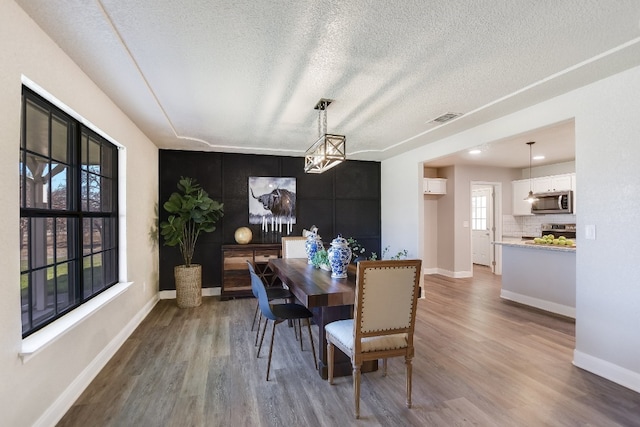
<point x="243" y="235"/>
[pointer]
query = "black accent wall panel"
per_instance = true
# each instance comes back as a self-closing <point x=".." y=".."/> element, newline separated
<point x="345" y="199"/>
<point x="367" y="177"/>
<point x="357" y="217"/>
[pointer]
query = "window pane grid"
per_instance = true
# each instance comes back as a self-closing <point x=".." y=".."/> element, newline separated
<point x="68" y="250"/>
<point x="479" y="212"/>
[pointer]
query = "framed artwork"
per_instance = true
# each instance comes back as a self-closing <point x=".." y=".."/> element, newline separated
<point x="272" y="200"/>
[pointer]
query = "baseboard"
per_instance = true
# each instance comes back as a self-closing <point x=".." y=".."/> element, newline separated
<point x="56" y="411"/>
<point x="206" y="292"/>
<point x="608" y="370"/>
<point x="549" y="306"/>
<point x="449" y="273"/>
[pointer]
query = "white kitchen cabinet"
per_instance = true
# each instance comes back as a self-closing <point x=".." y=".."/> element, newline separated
<point x="542" y="184"/>
<point x="435" y="186"/>
<point x="520" y="190"/>
<point x="547" y="184"/>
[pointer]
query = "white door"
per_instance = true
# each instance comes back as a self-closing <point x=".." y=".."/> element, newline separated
<point x="481" y="225"/>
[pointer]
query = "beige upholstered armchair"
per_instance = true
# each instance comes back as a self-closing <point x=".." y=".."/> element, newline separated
<point x="294" y="247"/>
<point x="384" y="319"/>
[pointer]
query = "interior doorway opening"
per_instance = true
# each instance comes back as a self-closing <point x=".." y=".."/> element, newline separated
<point x="486" y="224"/>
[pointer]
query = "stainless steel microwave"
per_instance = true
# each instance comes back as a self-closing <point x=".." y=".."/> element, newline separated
<point x="553" y="203"/>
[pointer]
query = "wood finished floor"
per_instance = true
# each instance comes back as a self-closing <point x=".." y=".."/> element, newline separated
<point x="479" y="361"/>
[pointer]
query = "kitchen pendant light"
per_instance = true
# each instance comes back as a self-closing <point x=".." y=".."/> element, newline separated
<point x="530" y="198"/>
<point x="329" y="150"/>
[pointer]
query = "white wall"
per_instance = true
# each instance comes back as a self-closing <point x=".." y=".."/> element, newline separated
<point x="607" y="154"/>
<point x="554" y="169"/>
<point x="608" y="273"/>
<point x="38" y="391"/>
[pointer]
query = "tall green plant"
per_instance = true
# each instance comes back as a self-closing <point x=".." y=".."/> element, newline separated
<point x="191" y="212"/>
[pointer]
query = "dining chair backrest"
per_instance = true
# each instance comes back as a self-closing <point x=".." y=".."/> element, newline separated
<point x="251" y="268"/>
<point x="386" y="298"/>
<point x="252" y="272"/>
<point x="294" y="247"/>
<point x="257" y="287"/>
<point x="384" y="318"/>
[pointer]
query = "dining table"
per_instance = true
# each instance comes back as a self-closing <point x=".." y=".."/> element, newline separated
<point x="329" y="299"/>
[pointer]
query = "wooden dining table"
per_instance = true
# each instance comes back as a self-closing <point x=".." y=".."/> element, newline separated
<point x="328" y="299"/>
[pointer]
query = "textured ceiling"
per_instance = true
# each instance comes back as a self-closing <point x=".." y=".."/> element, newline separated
<point x="244" y="76"/>
<point x="553" y="144"/>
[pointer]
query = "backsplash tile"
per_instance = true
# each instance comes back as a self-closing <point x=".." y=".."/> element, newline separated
<point x="530" y="225"/>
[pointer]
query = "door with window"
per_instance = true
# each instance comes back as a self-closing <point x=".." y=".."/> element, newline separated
<point x="481" y="224"/>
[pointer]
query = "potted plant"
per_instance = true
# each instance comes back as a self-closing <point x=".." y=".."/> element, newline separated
<point x="191" y="212"/>
<point x="357" y="250"/>
<point x="321" y="259"/>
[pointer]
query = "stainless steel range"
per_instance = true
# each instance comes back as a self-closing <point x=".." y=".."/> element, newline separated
<point x="566" y="230"/>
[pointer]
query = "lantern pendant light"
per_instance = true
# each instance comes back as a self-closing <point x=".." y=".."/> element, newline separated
<point x="329" y="150"/>
<point x="530" y="198"/>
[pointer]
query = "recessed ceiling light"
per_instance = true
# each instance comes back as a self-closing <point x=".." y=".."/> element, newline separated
<point x="538" y="157"/>
<point x="475" y="151"/>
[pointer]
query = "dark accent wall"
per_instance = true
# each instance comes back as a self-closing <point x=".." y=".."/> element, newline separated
<point x="344" y="200"/>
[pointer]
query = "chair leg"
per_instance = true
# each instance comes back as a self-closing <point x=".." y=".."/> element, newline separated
<point x="313" y="348"/>
<point x="330" y="349"/>
<point x="407" y="361"/>
<point x="266" y="323"/>
<point x="300" y="329"/>
<point x="384" y="367"/>
<point x="255" y="315"/>
<point x="273" y="332"/>
<point x="258" y="332"/>
<point x="356" y="389"/>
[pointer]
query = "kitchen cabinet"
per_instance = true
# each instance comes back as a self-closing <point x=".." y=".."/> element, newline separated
<point x="553" y="290"/>
<point x="520" y="190"/>
<point x="551" y="183"/>
<point x="435" y="186"/>
<point x="545" y="184"/>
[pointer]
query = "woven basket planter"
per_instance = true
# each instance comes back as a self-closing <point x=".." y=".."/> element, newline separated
<point x="188" y="285"/>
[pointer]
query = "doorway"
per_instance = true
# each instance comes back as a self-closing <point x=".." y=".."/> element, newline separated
<point x="486" y="211"/>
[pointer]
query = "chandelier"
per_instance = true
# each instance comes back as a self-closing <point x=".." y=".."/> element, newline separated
<point x="329" y="150"/>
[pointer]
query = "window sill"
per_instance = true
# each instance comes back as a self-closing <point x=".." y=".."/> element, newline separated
<point x="49" y="334"/>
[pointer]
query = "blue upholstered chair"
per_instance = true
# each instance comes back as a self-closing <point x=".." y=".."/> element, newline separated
<point x="278" y="313"/>
<point x="273" y="293"/>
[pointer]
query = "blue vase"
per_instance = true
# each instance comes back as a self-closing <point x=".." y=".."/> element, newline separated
<point x="339" y="257"/>
<point x="312" y="245"/>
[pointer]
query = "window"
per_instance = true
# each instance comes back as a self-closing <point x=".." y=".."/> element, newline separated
<point x="479" y="212"/>
<point x="68" y="213"/>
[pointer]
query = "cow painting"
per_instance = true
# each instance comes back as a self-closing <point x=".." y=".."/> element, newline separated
<point x="281" y="203"/>
<point x="272" y="200"/>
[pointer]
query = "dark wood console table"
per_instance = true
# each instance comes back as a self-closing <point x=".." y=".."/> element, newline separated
<point x="235" y="274"/>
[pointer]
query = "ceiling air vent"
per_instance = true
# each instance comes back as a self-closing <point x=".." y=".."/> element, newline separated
<point x="444" y="118"/>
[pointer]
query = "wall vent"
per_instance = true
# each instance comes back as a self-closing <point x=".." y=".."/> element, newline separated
<point x="443" y="118"/>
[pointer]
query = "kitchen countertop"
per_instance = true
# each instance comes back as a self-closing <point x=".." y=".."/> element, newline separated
<point x="517" y="242"/>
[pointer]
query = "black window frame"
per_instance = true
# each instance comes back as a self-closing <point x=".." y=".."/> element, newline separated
<point x="69" y="235"/>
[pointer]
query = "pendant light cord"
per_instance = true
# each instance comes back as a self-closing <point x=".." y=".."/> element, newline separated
<point x="530" y="187"/>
